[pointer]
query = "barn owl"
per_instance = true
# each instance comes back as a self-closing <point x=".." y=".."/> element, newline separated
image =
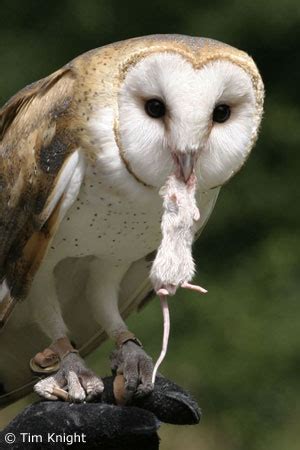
<point x="84" y="153"/>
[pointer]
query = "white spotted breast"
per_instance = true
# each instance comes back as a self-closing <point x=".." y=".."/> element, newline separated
<point x="106" y="223"/>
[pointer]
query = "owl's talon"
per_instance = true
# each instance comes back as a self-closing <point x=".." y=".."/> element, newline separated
<point x="74" y="382"/>
<point x="48" y="388"/>
<point x="136" y="366"/>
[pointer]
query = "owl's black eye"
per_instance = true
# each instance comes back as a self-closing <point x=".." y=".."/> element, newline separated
<point x="221" y="113"/>
<point x="155" y="108"/>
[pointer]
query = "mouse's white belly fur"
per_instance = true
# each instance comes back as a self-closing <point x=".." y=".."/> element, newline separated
<point x="105" y="223"/>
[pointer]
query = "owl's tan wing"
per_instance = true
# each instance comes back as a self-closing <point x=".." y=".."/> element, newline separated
<point x="36" y="148"/>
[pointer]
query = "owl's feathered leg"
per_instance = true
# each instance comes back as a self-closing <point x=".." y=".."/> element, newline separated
<point x="73" y="381"/>
<point x="129" y="358"/>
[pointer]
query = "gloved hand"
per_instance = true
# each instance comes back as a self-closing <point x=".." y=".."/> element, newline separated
<point x="102" y="424"/>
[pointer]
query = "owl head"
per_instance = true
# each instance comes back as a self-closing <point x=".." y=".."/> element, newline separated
<point x="184" y="104"/>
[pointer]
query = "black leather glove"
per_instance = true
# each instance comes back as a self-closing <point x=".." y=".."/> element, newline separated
<point x="102" y="424"/>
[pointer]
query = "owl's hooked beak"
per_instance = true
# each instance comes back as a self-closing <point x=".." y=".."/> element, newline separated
<point x="185" y="164"/>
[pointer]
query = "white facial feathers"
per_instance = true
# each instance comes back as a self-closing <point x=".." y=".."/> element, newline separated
<point x="228" y="144"/>
<point x="190" y="96"/>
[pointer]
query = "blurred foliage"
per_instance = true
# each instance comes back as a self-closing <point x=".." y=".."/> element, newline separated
<point x="237" y="349"/>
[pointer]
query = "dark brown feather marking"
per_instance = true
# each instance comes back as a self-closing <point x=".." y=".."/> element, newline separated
<point x="52" y="156"/>
<point x="35" y="141"/>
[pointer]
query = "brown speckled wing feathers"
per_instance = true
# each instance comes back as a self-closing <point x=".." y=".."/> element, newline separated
<point x="35" y="142"/>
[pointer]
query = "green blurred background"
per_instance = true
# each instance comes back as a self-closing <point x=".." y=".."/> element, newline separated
<point x="238" y="349"/>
